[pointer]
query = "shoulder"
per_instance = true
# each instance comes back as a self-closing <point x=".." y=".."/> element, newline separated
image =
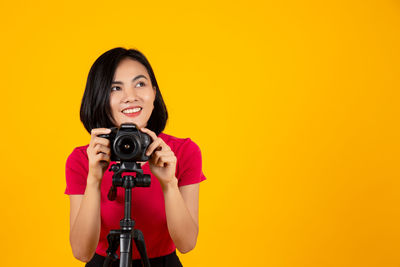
<point x="78" y="156"/>
<point x="189" y="162"/>
<point x="79" y="151"/>
<point x="76" y="170"/>
<point x="179" y="145"/>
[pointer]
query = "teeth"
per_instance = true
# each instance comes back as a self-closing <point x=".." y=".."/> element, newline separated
<point x="132" y="110"/>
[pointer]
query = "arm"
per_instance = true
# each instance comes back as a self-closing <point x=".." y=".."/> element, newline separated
<point x="181" y="203"/>
<point x="181" y="208"/>
<point x="85" y="221"/>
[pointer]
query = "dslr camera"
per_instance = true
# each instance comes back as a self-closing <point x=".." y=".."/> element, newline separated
<point x="128" y="143"/>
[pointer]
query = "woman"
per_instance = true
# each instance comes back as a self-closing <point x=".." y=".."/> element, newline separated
<point x="122" y="88"/>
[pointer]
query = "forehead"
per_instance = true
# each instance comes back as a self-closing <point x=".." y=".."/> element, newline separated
<point x="128" y="68"/>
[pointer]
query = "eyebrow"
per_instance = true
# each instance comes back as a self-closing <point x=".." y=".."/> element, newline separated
<point x="134" y="79"/>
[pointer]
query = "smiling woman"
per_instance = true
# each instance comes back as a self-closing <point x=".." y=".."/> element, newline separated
<point x="132" y="99"/>
<point x="122" y="88"/>
<point x="116" y="73"/>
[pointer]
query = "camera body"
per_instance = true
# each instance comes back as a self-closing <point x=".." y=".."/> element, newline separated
<point x="128" y="143"/>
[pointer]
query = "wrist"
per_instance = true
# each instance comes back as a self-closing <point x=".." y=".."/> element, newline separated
<point x="93" y="181"/>
<point x="170" y="185"/>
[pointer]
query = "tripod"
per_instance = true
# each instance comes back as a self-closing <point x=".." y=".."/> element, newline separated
<point x="123" y="237"/>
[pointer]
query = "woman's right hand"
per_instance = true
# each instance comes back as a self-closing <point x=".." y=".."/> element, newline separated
<point x="99" y="153"/>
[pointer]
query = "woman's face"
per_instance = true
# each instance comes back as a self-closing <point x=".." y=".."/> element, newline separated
<point x="132" y="94"/>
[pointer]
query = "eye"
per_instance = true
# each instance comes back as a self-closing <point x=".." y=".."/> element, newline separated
<point x="140" y="84"/>
<point x="115" y="88"/>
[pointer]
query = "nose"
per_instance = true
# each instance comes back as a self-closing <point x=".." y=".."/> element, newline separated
<point x="129" y="95"/>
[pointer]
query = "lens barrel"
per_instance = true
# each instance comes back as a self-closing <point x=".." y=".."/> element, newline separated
<point x="126" y="146"/>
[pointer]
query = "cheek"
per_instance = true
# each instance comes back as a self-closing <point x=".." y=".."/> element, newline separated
<point x="149" y="98"/>
<point x="114" y="105"/>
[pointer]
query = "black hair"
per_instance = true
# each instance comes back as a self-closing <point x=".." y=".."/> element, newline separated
<point x="95" y="107"/>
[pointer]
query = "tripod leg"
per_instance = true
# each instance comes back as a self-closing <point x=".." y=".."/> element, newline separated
<point x="125" y="249"/>
<point x="140" y="245"/>
<point x="113" y="243"/>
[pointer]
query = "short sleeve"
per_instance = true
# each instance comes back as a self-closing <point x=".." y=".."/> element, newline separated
<point x="189" y="164"/>
<point x="76" y="170"/>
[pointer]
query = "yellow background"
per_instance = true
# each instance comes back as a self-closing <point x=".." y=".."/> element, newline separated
<point x="294" y="104"/>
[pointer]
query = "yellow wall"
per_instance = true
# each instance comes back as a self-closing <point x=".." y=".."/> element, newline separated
<point x="293" y="103"/>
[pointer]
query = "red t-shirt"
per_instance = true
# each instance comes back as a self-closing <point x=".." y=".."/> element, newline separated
<point x="148" y="209"/>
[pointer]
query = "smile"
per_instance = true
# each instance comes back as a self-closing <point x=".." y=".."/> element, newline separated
<point x="131" y="110"/>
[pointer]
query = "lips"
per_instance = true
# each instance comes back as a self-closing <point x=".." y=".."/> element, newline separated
<point x="132" y="111"/>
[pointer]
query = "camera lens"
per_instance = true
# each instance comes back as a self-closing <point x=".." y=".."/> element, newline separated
<point x="126" y="147"/>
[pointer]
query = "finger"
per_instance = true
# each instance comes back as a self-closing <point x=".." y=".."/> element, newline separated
<point x="153" y="146"/>
<point x="103" y="157"/>
<point x="101" y="149"/>
<point x="164" y="161"/>
<point x="149" y="132"/>
<point x="158" y="154"/>
<point x="101" y="141"/>
<point x="98" y="131"/>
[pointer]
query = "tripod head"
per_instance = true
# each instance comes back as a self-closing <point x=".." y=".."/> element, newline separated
<point x="127" y="181"/>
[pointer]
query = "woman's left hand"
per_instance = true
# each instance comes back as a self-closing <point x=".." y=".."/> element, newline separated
<point x="162" y="161"/>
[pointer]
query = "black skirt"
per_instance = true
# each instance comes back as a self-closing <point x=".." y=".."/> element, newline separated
<point x="170" y="260"/>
